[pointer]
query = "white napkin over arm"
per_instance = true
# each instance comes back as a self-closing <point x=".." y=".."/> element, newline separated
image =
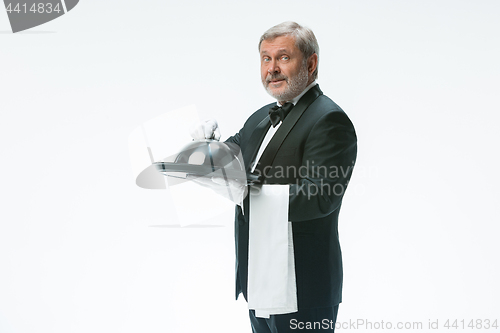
<point x="271" y="266"/>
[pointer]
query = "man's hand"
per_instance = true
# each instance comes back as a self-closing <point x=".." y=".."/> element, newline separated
<point x="207" y="129"/>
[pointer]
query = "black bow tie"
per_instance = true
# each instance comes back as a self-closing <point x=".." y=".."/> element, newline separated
<point x="278" y="113"/>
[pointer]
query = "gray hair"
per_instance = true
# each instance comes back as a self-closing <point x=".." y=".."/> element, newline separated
<point x="304" y="39"/>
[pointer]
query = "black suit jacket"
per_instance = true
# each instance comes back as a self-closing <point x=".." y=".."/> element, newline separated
<point x="316" y="159"/>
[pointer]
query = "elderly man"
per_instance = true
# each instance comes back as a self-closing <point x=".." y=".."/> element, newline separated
<point x="305" y="142"/>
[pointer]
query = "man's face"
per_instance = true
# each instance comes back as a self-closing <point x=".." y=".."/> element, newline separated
<point x="283" y="68"/>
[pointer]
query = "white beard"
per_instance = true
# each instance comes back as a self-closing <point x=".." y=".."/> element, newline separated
<point x="295" y="85"/>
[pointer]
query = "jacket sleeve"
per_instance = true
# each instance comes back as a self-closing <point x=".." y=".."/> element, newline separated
<point x="329" y="156"/>
<point x="235" y="138"/>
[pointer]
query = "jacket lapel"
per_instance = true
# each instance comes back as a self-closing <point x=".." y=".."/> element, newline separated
<point x="253" y="144"/>
<point x="269" y="153"/>
<point x="257" y="136"/>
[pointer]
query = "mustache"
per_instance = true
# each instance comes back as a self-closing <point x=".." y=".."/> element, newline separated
<point x="276" y="76"/>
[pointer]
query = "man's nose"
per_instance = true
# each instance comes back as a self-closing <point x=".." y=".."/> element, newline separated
<point x="273" y="67"/>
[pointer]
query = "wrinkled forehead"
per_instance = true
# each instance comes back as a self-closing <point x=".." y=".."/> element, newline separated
<point x="281" y="43"/>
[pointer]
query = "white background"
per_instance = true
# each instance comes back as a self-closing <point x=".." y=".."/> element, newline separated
<point x="82" y="248"/>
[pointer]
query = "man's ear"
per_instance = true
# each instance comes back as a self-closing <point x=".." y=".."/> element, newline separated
<point x="312" y="63"/>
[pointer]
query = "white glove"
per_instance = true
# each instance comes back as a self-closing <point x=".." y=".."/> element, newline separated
<point x="207" y="129"/>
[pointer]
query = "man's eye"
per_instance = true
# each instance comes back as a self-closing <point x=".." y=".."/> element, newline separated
<point x="266" y="59"/>
<point x="285" y="58"/>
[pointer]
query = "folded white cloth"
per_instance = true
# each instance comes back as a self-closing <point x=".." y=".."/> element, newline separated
<point x="271" y="268"/>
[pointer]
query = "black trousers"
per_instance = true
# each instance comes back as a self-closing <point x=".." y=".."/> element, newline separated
<point x="306" y="320"/>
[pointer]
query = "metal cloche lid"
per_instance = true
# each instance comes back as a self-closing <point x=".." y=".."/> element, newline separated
<point x="208" y="159"/>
